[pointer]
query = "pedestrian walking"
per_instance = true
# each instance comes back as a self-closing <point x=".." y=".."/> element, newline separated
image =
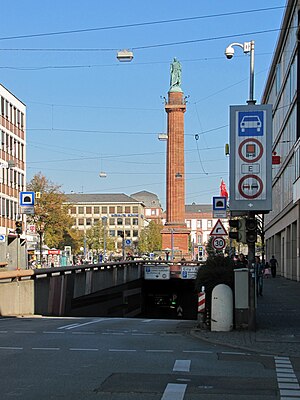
<point x="259" y="274"/>
<point x="274" y="264"/>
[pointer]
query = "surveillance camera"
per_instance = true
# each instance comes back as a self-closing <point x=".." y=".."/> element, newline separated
<point x="229" y="52"/>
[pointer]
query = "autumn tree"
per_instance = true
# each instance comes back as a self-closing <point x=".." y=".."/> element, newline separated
<point x="51" y="213"/>
<point x="150" y="238"/>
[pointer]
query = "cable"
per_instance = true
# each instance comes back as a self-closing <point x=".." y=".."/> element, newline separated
<point x="138" y="24"/>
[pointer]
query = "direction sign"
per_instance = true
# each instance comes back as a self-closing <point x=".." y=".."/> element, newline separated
<point x="251" y="158"/>
<point x="156" y="272"/>
<point x="218" y="243"/>
<point x="218" y="229"/>
<point x="2" y="238"/>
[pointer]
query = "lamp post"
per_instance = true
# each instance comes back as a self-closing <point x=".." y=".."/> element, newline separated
<point x="172" y="245"/>
<point x="104" y="223"/>
<point x="248" y="47"/>
<point x="40" y="233"/>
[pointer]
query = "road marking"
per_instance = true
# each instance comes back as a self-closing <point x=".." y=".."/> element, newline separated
<point x="234" y="353"/>
<point x="122" y="350"/>
<point x="174" y="391"/>
<point x="182" y="365"/>
<point x="11" y="348"/>
<point x="3" y="331"/>
<point x="45" y="348"/>
<point x="78" y="349"/>
<point x="68" y="326"/>
<point x="24" y="331"/>
<point x="83" y="333"/>
<point x="146" y="321"/>
<point x="51" y="333"/>
<point x="142" y="334"/>
<point x="287" y="382"/>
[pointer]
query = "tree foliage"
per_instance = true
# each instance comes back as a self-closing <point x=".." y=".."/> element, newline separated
<point x="51" y="214"/>
<point x="95" y="238"/>
<point x="150" y="238"/>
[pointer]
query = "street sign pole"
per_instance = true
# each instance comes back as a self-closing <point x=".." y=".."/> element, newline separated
<point x="251" y="266"/>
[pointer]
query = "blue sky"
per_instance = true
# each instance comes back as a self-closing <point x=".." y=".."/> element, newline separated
<point x="87" y="113"/>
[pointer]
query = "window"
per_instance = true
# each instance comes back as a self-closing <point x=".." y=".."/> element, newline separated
<point x="112" y="210"/>
<point x="96" y="220"/>
<point x="96" y="210"/>
<point x="199" y="239"/>
<point x="188" y="223"/>
<point x="73" y="210"/>
<point x="119" y="209"/>
<point x="199" y="223"/>
<point x="111" y="221"/>
<point x="127" y="221"/>
<point x="127" y="209"/>
<point x="120" y="233"/>
<point x="80" y="221"/>
<point x="153" y="211"/>
<point x="80" y="210"/>
<point x="135" y="233"/>
<point x="127" y="234"/>
<point x="135" y="209"/>
<point x="119" y="221"/>
<point x="89" y="221"/>
<point x="104" y="210"/>
<point x="135" y="221"/>
<point x="88" y="210"/>
<point x="112" y="233"/>
<point x="2" y="106"/>
<point x="209" y="223"/>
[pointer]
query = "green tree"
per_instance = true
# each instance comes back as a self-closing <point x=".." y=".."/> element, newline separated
<point x="95" y="238"/>
<point x="150" y="238"/>
<point x="51" y="215"/>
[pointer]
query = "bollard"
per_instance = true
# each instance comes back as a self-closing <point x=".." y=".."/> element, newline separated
<point x="201" y="308"/>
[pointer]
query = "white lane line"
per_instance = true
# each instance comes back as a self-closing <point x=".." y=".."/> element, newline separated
<point x="53" y="333"/>
<point x="68" y="326"/>
<point x="142" y="334"/>
<point x="146" y="321"/>
<point x="3" y="331"/>
<point x="174" y="391"/>
<point x="83" y="333"/>
<point x="24" y="331"/>
<point x="287" y="382"/>
<point x="233" y="353"/>
<point x="11" y="348"/>
<point x="45" y="348"/>
<point x="182" y="365"/>
<point x="79" y="349"/>
<point x="122" y="350"/>
<point x="88" y="323"/>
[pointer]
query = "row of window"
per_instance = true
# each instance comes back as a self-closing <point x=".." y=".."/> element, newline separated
<point x="110" y="221"/>
<point x="11" y="145"/>
<point x="11" y="113"/>
<point x="12" y="178"/>
<point x="8" y="208"/>
<point x="92" y="210"/>
<point x="126" y="233"/>
<point x="199" y="223"/>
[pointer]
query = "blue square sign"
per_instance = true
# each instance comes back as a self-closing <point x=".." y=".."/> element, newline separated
<point x="251" y="123"/>
<point x="26" y="199"/>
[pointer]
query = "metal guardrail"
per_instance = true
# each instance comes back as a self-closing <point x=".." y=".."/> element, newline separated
<point x="39" y="273"/>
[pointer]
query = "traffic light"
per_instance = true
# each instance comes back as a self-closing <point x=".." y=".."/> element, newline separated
<point x="251" y="230"/>
<point x="240" y="234"/>
<point x="19" y="229"/>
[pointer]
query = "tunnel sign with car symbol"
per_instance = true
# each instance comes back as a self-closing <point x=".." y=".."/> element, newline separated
<point x="251" y="158"/>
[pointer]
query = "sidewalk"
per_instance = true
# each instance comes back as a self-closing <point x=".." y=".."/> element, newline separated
<point x="277" y="322"/>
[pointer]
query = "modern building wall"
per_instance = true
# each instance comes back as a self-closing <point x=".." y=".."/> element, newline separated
<point x="282" y="224"/>
<point x="125" y="215"/>
<point x="12" y="176"/>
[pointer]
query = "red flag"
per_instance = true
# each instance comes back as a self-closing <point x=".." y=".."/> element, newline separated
<point x="223" y="190"/>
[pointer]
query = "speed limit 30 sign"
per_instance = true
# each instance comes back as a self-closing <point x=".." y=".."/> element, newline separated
<point x="218" y="243"/>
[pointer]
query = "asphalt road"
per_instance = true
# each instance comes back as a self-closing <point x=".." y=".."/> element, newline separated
<point x="136" y="359"/>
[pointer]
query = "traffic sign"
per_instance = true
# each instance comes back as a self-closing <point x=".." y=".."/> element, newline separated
<point x="26" y="199"/>
<point x="128" y="242"/>
<point x="218" y="243"/>
<point x="219" y="207"/>
<point x="218" y="229"/>
<point x="2" y="238"/>
<point x="251" y="158"/>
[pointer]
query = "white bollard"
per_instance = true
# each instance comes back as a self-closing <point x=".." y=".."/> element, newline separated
<point x="222" y="309"/>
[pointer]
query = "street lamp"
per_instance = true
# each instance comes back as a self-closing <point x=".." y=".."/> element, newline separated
<point x="248" y="47"/>
<point x="104" y="223"/>
<point x="40" y="233"/>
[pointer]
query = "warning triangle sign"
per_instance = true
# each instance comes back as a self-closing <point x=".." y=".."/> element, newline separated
<point x="218" y="229"/>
